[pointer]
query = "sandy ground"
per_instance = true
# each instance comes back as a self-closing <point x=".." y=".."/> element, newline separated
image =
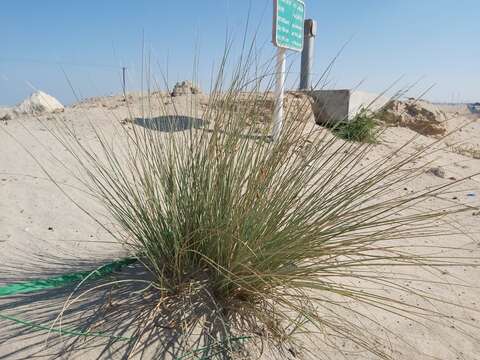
<point x="40" y="226"/>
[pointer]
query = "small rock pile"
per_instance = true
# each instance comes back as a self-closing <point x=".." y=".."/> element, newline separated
<point x="185" y="88"/>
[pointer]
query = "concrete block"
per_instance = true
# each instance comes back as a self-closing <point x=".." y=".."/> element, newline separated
<point x="333" y="106"/>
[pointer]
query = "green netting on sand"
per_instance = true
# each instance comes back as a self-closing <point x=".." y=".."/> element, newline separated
<point x="58" y="282"/>
<point x="63" y="280"/>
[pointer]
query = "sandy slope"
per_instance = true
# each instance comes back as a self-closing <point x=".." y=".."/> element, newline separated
<point x="39" y="225"/>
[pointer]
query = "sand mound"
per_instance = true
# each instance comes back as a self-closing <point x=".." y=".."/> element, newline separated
<point x="417" y="115"/>
<point x="39" y="102"/>
<point x="259" y="108"/>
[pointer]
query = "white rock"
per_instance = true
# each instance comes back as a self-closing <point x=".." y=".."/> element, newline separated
<point x="39" y="102"/>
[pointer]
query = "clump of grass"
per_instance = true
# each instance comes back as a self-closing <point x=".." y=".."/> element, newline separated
<point x="243" y="236"/>
<point x="470" y="151"/>
<point x="362" y="128"/>
<point x="5" y="118"/>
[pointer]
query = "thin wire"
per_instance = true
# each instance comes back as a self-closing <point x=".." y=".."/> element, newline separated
<point x="56" y="63"/>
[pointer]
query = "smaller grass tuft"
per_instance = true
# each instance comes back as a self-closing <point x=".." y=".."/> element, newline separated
<point x="360" y="129"/>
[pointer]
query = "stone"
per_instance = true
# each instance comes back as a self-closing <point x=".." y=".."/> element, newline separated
<point x="438" y="172"/>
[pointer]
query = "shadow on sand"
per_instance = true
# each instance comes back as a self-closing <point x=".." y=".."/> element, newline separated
<point x="176" y="123"/>
<point x="172" y="123"/>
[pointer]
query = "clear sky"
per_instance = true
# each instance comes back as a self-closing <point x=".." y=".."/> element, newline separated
<point x="437" y="41"/>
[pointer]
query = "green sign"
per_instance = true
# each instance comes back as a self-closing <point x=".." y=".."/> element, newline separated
<point x="289" y="16"/>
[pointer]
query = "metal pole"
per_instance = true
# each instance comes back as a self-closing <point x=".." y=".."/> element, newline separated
<point x="279" y="94"/>
<point x="308" y="54"/>
<point x="124" y="82"/>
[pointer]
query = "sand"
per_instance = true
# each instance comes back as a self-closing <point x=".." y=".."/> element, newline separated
<point x="40" y="225"/>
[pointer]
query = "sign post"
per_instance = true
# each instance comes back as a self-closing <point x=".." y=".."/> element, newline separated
<point x="279" y="94"/>
<point x="308" y="55"/>
<point x="288" y="30"/>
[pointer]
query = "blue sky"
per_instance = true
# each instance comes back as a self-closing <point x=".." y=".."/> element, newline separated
<point x="434" y="41"/>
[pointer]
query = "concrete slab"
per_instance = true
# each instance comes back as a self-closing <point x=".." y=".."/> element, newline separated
<point x="332" y="106"/>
